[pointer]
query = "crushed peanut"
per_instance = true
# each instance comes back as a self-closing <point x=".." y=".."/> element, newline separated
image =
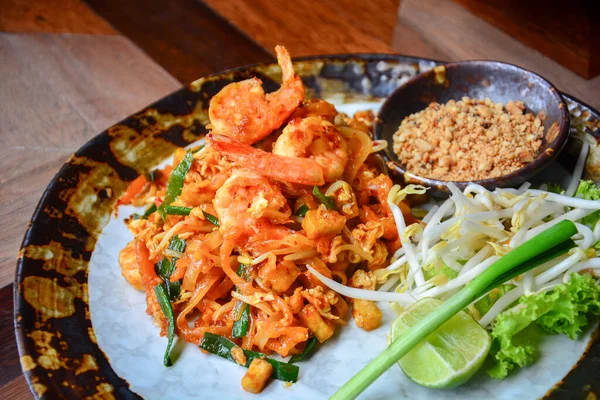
<point x="469" y="139"/>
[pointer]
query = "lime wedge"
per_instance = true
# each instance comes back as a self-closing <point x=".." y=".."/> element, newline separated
<point x="449" y="356"/>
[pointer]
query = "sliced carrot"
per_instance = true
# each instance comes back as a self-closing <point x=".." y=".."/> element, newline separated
<point x="147" y="270"/>
<point x="134" y="188"/>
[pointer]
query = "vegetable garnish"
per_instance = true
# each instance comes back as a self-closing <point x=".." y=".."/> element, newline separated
<point x="241" y="310"/>
<point x="149" y="211"/>
<point x="327" y="201"/>
<point x="177" y="210"/>
<point x="310" y="344"/>
<point x="175" y="184"/>
<point x="301" y="211"/>
<point x="166" y="267"/>
<point x="221" y="346"/>
<point x="180" y="210"/>
<point x="546" y="245"/>
<point x="212" y="219"/>
<point x="563" y="309"/>
<point x="167" y="309"/>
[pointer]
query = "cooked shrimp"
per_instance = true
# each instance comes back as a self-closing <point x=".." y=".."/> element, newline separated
<point x="315" y="138"/>
<point x="288" y="169"/>
<point x="129" y="266"/>
<point x="244" y="200"/>
<point x="241" y="110"/>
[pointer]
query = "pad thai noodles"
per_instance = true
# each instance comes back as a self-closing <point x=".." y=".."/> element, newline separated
<point x="282" y="184"/>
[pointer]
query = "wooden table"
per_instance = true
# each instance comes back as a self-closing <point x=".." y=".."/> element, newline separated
<point x="72" y="68"/>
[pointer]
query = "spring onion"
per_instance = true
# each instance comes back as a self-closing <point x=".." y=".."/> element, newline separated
<point x="301" y="211"/>
<point x="165" y="269"/>
<point x="212" y="219"/>
<point x="167" y="309"/>
<point x="177" y="210"/>
<point x="308" y="349"/>
<point x="241" y="310"/>
<point x="548" y="244"/>
<point x="149" y="211"/>
<point x="175" y="184"/>
<point x="327" y="201"/>
<point x="222" y="347"/>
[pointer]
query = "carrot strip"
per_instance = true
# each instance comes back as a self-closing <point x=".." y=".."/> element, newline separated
<point x="134" y="188"/>
<point x="147" y="271"/>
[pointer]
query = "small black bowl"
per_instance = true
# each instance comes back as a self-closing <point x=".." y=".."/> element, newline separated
<point x="501" y="83"/>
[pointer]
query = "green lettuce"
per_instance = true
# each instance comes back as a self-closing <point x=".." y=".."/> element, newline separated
<point x="564" y="309"/>
<point x="555" y="188"/>
<point x="589" y="191"/>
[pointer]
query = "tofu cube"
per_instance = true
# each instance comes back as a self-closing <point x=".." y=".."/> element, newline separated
<point x="280" y="276"/>
<point x="315" y="323"/>
<point x="257" y="376"/>
<point x="366" y="314"/>
<point x="321" y="222"/>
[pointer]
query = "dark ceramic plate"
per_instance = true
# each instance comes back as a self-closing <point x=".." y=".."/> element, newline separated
<point x="58" y="345"/>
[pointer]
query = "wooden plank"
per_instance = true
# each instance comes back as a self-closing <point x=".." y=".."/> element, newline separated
<point x="17" y="389"/>
<point x="562" y="31"/>
<point x="10" y="367"/>
<point x="183" y="36"/>
<point x="464" y="36"/>
<point x="63" y="90"/>
<point x="51" y="16"/>
<point x="308" y="27"/>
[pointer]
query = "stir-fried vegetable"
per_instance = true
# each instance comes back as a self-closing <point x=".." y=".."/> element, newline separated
<point x="212" y="219"/>
<point x="175" y="184"/>
<point x="167" y="309"/>
<point x="327" y="201"/>
<point x="177" y="210"/>
<point x="241" y="310"/>
<point x="542" y="248"/>
<point x="166" y="267"/>
<point x="149" y="211"/>
<point x="301" y="211"/>
<point x="222" y="347"/>
<point x="310" y="345"/>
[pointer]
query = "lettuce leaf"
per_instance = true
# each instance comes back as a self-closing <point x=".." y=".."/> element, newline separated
<point x="564" y="309"/>
<point x="555" y="188"/>
<point x="589" y="191"/>
<point x="484" y="304"/>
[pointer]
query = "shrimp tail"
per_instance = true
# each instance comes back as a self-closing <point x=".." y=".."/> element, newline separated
<point x="303" y="171"/>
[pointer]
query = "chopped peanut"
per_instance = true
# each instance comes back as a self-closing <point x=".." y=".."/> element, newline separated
<point x="469" y="139"/>
<point x="315" y="323"/>
<point x="257" y="376"/>
<point x="366" y="314"/>
<point x="322" y="222"/>
<point x="280" y="276"/>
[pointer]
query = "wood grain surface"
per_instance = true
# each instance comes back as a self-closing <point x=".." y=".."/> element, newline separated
<point x="566" y="33"/>
<point x="51" y="16"/>
<point x="63" y="90"/>
<point x="185" y="37"/>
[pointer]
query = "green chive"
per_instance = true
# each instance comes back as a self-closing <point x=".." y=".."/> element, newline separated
<point x="175" y="184"/>
<point x="212" y="219"/>
<point x="222" y="347"/>
<point x="325" y="200"/>
<point x="308" y="349"/>
<point x="177" y="210"/>
<point x="167" y="309"/>
<point x="301" y="211"/>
